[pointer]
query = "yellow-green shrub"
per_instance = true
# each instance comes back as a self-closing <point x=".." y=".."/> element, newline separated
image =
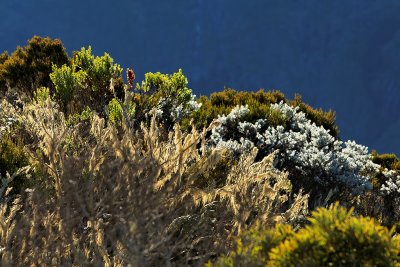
<point x="334" y="237"/>
<point x="253" y="247"/>
<point x="114" y="111"/>
<point x="86" y="82"/>
<point x="168" y="94"/>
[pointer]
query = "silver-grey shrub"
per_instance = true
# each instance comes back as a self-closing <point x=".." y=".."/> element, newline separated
<point x="309" y="152"/>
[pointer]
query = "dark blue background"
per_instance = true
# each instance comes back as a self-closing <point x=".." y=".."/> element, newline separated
<point x="342" y="54"/>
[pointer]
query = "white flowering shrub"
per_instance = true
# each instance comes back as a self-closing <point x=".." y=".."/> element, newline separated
<point x="307" y="151"/>
<point x="170" y="110"/>
<point x="392" y="183"/>
<point x="169" y="95"/>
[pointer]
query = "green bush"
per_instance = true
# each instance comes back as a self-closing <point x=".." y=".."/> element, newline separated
<point x="169" y="94"/>
<point x="114" y="111"/>
<point x="333" y="238"/>
<point x="223" y="102"/>
<point x="259" y="104"/>
<point x="99" y="70"/>
<point x="66" y="82"/>
<point x="85" y="115"/>
<point x="41" y="95"/>
<point x="29" y="67"/>
<point x="86" y="82"/>
<point x="252" y="247"/>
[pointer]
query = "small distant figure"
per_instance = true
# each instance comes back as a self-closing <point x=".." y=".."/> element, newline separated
<point x="130" y="76"/>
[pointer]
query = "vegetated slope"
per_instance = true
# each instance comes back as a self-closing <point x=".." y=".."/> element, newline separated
<point x="98" y="171"/>
<point x="340" y="55"/>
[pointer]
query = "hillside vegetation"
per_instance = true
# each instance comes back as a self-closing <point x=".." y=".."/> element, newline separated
<point x="100" y="170"/>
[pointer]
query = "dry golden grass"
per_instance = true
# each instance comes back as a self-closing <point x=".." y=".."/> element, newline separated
<point x="131" y="197"/>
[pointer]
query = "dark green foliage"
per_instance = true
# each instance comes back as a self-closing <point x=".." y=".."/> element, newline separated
<point x="333" y="238"/>
<point x="29" y="67"/>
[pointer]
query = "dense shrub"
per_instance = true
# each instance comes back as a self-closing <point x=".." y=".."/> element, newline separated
<point x="114" y="111"/>
<point x="66" y="82"/>
<point x="86" y="82"/>
<point x="220" y="103"/>
<point x="28" y="68"/>
<point x="333" y="238"/>
<point x="259" y="104"/>
<point x="315" y="160"/>
<point x="389" y="170"/>
<point x="168" y="94"/>
<point x="3" y="82"/>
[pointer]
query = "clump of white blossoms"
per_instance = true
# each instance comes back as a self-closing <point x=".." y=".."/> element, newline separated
<point x="392" y="183"/>
<point x="170" y="111"/>
<point x="303" y="147"/>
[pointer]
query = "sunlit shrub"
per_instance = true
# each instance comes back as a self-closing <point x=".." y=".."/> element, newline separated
<point x="170" y="96"/>
<point x="41" y="95"/>
<point x="86" y="82"/>
<point x="339" y="239"/>
<point x="333" y="238"/>
<point x="223" y="102"/>
<point x="313" y="157"/>
<point x="99" y="70"/>
<point x="114" y="111"/>
<point x="66" y="82"/>
<point x="252" y="248"/>
<point x="387" y="180"/>
<point x="28" y="68"/>
<point x="259" y="104"/>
